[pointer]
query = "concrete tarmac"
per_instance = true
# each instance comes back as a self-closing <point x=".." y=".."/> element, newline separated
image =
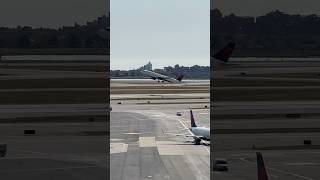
<point x="70" y="139"/>
<point x="272" y="108"/>
<point x="142" y="142"/>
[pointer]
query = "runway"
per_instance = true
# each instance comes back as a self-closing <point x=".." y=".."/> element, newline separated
<point x="296" y="164"/>
<point x="141" y="147"/>
<point x="14" y="74"/>
<point x="51" y="110"/>
<point x="269" y="107"/>
<point x="61" y="102"/>
<point x="151" y="87"/>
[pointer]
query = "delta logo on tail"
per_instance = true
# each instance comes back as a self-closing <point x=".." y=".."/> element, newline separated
<point x="225" y="53"/>
<point x="179" y="77"/>
<point x="262" y="172"/>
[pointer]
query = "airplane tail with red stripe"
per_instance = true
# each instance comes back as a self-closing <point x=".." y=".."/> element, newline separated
<point x="225" y="53"/>
<point x="180" y="77"/>
<point x="262" y="172"/>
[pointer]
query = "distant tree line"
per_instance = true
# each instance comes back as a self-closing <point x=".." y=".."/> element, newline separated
<point x="193" y="72"/>
<point x="94" y="34"/>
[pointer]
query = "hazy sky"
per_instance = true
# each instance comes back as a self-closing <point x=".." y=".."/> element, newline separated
<point x="165" y="32"/>
<point x="50" y="13"/>
<point x="261" y="7"/>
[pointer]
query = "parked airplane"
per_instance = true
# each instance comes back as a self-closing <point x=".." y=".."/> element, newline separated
<point x="197" y="133"/>
<point x="224" y="54"/>
<point x="161" y="77"/>
<point x="262" y="172"/>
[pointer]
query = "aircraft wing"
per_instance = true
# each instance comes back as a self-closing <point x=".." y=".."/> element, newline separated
<point x="197" y="137"/>
<point x="158" y="76"/>
<point x="171" y="80"/>
<point x="154" y="75"/>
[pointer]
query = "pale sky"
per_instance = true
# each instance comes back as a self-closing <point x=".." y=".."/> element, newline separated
<point x="165" y="32"/>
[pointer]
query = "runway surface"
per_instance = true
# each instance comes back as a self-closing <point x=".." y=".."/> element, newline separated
<point x="70" y="134"/>
<point x="14" y="74"/>
<point x="269" y="107"/>
<point x="51" y="110"/>
<point x="141" y="144"/>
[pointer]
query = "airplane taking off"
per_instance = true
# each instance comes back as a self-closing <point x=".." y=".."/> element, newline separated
<point x="220" y="57"/>
<point x="262" y="172"/>
<point x="224" y="54"/>
<point x="161" y="77"/>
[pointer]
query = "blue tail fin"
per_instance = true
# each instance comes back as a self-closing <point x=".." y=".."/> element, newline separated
<point x="193" y="123"/>
<point x="262" y="172"/>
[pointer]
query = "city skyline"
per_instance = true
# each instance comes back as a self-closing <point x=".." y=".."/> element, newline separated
<point x="93" y="34"/>
<point x="261" y="7"/>
<point x="50" y="14"/>
<point x="288" y="35"/>
<point x="84" y="23"/>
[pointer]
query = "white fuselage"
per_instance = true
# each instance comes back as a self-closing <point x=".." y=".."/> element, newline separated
<point x="158" y="76"/>
<point x="201" y="132"/>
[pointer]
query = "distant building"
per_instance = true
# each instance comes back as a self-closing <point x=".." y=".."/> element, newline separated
<point x="146" y="67"/>
<point x="103" y="22"/>
<point x="273" y="34"/>
<point x="193" y="72"/>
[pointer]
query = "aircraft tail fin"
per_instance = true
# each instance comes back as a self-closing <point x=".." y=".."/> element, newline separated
<point x="225" y="53"/>
<point x="193" y="123"/>
<point x="262" y="172"/>
<point x="180" y="77"/>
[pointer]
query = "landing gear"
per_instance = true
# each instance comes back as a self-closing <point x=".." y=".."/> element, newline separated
<point x="197" y="141"/>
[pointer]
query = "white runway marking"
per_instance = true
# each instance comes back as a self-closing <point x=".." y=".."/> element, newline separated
<point x="207" y="149"/>
<point x="116" y="140"/>
<point x="132" y="133"/>
<point x="118" y="148"/>
<point x="147" y="141"/>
